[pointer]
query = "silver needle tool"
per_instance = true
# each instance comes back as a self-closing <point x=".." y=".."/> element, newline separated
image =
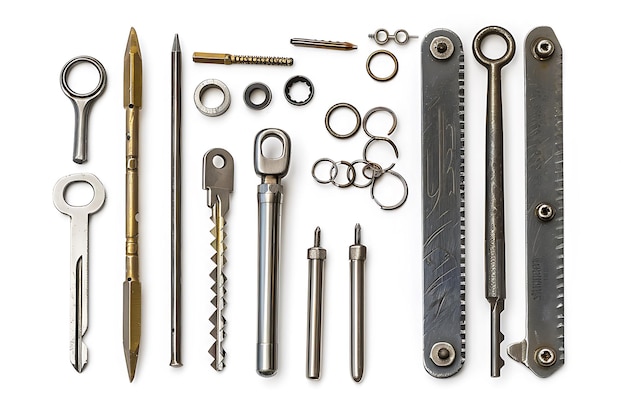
<point x="357" y="257"/>
<point x="79" y="259"/>
<point x="176" y="207"/>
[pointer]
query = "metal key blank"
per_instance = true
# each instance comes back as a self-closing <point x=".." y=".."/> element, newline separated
<point x="82" y="103"/>
<point x="79" y="259"/>
<point x="495" y="291"/>
<point x="270" y="198"/>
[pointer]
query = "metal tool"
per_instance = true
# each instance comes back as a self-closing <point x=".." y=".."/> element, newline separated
<point x="543" y="349"/>
<point x="357" y="255"/>
<point x="132" y="285"/>
<point x="270" y="198"/>
<point x="316" y="256"/>
<point x="382" y="36"/>
<point x="82" y="103"/>
<point x="443" y="202"/>
<point x="314" y="43"/>
<point x="176" y="230"/>
<point x="495" y="282"/>
<point x="228" y="59"/>
<point x="79" y="259"/>
<point x="217" y="179"/>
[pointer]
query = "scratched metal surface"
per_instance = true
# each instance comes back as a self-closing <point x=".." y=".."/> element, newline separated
<point x="443" y="202"/>
<point x="544" y="184"/>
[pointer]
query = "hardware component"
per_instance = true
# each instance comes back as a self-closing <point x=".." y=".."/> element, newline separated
<point x="217" y="179"/>
<point x="212" y="111"/>
<point x="247" y="96"/>
<point x="543" y="349"/>
<point x="132" y="285"/>
<point x="382" y="139"/>
<point x="228" y="59"/>
<point x="368" y="64"/>
<point x="405" y="189"/>
<point x="495" y="282"/>
<point x="443" y="203"/>
<point x="314" y="43"/>
<point x="350" y="174"/>
<point x="316" y="256"/>
<point x="270" y="199"/>
<point x="79" y="259"/>
<point x="366" y="165"/>
<point x="294" y="80"/>
<point x="345" y="106"/>
<point x="176" y="229"/>
<point x="357" y="255"/>
<point x="382" y="36"/>
<point x="333" y="171"/>
<point x="82" y="103"/>
<point x="378" y="109"/>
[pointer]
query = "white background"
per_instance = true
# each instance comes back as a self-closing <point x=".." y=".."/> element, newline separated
<point x="37" y="129"/>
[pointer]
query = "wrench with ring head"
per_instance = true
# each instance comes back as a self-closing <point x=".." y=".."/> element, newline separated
<point x="82" y="103"/>
<point x="495" y="283"/>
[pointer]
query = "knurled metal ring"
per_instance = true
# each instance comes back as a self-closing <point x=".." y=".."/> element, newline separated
<point x="369" y="62"/>
<point x="389" y="141"/>
<point x="333" y="170"/>
<point x="350" y="174"/>
<point x="377" y="109"/>
<point x="353" y="110"/>
<point x="247" y="96"/>
<point x="212" y="111"/>
<point x="405" y="193"/>
<point x="294" y="80"/>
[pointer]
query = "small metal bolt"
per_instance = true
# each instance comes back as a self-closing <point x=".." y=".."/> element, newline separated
<point x="545" y="212"/>
<point x="442" y="354"/>
<point x="441" y="47"/>
<point x="544" y="48"/>
<point x="545" y="357"/>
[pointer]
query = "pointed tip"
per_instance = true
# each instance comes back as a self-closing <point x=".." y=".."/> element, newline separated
<point x="357" y="378"/>
<point x="317" y="236"/>
<point x="133" y="42"/>
<point x="131" y="364"/>
<point x="176" y="45"/>
<point x="357" y="234"/>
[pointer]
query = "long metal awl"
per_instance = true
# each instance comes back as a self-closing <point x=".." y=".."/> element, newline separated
<point x="271" y="169"/>
<point x="218" y="178"/>
<point x="443" y="202"/>
<point x="543" y="349"/>
<point x="495" y="282"/>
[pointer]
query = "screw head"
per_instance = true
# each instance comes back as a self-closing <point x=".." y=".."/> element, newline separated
<point x="545" y="356"/>
<point x="441" y="47"/>
<point x="544" y="48"/>
<point x="545" y="212"/>
<point x="442" y="354"/>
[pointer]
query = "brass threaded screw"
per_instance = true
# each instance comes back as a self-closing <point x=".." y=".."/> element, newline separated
<point x="228" y="59"/>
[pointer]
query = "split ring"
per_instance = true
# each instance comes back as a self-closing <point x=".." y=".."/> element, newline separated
<point x="377" y="109"/>
<point x="389" y="141"/>
<point x="351" y="174"/>
<point x="212" y="111"/>
<point x="369" y="62"/>
<point x="353" y="110"/>
<point x="333" y="170"/>
<point x="405" y="193"/>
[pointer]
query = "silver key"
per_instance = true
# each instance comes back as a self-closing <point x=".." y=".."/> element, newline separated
<point x="79" y="259"/>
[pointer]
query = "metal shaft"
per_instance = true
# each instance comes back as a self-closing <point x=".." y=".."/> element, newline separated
<point x="132" y="286"/>
<point x="316" y="256"/>
<point x="175" y="359"/>
<point x="228" y="59"/>
<point x="314" y="43"/>
<point x="357" y="257"/>
<point x="495" y="290"/>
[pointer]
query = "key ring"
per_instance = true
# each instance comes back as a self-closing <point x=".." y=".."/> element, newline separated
<point x="394" y="123"/>
<point x="368" y="64"/>
<point x="405" y="193"/>
<point x="73" y="95"/>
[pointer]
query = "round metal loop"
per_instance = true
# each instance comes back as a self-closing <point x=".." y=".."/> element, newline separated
<point x="295" y="80"/>
<point x="333" y="170"/>
<point x="504" y="34"/>
<point x="351" y="174"/>
<point x="376" y="169"/>
<point x="349" y="107"/>
<point x="366" y="164"/>
<point x="58" y="194"/>
<point x="93" y="93"/>
<point x="381" y="36"/>
<point x="377" y="109"/>
<point x="401" y="37"/>
<point x="247" y="96"/>
<point x="404" y="195"/>
<point x="389" y="141"/>
<point x="369" y="62"/>
<point x="212" y="111"/>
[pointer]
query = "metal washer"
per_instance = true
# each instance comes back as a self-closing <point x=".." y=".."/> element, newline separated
<point x="247" y="96"/>
<point x="212" y="111"/>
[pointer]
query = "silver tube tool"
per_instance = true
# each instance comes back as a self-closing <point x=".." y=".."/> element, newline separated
<point x="270" y="199"/>
<point x="357" y="257"/>
<point x="316" y="256"/>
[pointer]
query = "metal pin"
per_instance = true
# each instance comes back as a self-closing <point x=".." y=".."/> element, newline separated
<point x="357" y="256"/>
<point x="314" y="43"/>
<point x="228" y="59"/>
<point x="316" y="256"/>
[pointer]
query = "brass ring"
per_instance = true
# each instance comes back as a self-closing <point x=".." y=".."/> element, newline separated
<point x="384" y="52"/>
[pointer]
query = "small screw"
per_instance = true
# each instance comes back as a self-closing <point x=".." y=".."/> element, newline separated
<point x="442" y="354"/>
<point x="545" y="357"/>
<point x="544" y="48"/>
<point x="441" y="47"/>
<point x="545" y="212"/>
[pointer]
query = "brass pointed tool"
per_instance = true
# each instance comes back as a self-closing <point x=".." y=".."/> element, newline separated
<point x="132" y="286"/>
<point x="217" y="179"/>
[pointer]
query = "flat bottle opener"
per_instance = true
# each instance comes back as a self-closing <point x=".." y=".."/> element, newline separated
<point x="443" y="203"/>
<point x="543" y="349"/>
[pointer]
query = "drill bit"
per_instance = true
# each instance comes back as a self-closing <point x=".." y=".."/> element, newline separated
<point x="176" y="207"/>
<point x="132" y="286"/>
<point x="228" y="59"/>
<point x="357" y="256"/>
<point x="217" y="179"/>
